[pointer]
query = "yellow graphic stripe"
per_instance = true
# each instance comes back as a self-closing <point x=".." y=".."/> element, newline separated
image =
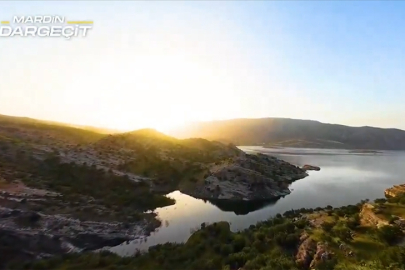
<point x="5" y="22"/>
<point x="79" y="22"/>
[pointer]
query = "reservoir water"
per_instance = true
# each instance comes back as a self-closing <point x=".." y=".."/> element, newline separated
<point x="344" y="178"/>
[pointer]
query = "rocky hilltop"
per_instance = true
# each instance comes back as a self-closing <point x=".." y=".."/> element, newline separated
<point x="247" y="177"/>
<point x="395" y="191"/>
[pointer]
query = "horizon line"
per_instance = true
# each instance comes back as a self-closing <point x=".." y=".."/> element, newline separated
<point x="181" y="126"/>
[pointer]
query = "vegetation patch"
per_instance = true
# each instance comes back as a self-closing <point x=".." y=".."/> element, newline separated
<point x="339" y="242"/>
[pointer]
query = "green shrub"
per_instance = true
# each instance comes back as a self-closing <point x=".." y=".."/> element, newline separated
<point x="238" y="243"/>
<point x="327" y="226"/>
<point x="226" y="250"/>
<point x="390" y="234"/>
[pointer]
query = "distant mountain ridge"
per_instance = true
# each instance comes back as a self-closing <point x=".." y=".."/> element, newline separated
<point x="285" y="132"/>
<point x="26" y="120"/>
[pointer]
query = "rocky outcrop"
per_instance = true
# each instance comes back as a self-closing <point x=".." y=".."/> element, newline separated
<point x="306" y="251"/>
<point x="248" y="177"/>
<point x="311" y="168"/>
<point x="369" y="217"/>
<point x="310" y="253"/>
<point x="24" y="245"/>
<point x="395" y="191"/>
<point x="29" y="234"/>
<point x="69" y="228"/>
<point x="321" y="254"/>
<point x="21" y="246"/>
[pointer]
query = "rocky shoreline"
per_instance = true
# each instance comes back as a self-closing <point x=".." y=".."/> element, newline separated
<point x="85" y="235"/>
<point x="27" y="234"/>
<point x="248" y="178"/>
<point x="30" y="233"/>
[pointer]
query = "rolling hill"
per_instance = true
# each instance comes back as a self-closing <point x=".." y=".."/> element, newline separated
<point x="285" y="132"/>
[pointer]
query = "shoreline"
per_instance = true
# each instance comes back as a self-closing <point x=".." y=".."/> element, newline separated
<point x="202" y="194"/>
<point x="303" y="231"/>
<point x="29" y="216"/>
<point x="66" y="247"/>
<point x="247" y="178"/>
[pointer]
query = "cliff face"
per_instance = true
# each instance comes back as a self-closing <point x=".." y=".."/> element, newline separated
<point x="248" y="177"/>
<point x="395" y="191"/>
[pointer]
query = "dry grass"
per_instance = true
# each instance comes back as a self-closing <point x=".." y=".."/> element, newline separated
<point x="320" y="217"/>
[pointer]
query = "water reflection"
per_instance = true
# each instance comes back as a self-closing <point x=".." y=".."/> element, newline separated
<point x="243" y="207"/>
<point x="344" y="178"/>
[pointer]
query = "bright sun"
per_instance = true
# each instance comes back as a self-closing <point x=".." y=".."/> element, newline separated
<point x="161" y="92"/>
<point x="144" y="84"/>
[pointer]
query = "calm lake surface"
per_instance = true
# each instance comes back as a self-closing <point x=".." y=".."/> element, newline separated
<point x="344" y="178"/>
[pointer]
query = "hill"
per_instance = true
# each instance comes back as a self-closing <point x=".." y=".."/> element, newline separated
<point x="44" y="132"/>
<point x="198" y="167"/>
<point x="273" y="132"/>
<point x="73" y="189"/>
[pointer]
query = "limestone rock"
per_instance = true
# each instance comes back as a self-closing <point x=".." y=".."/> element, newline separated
<point x="395" y="191"/>
<point x="368" y="217"/>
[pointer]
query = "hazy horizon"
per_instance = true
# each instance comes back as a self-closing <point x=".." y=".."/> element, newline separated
<point x="173" y="131"/>
<point x="164" y="64"/>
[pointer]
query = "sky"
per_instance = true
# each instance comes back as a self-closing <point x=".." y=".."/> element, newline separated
<point x="164" y="64"/>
